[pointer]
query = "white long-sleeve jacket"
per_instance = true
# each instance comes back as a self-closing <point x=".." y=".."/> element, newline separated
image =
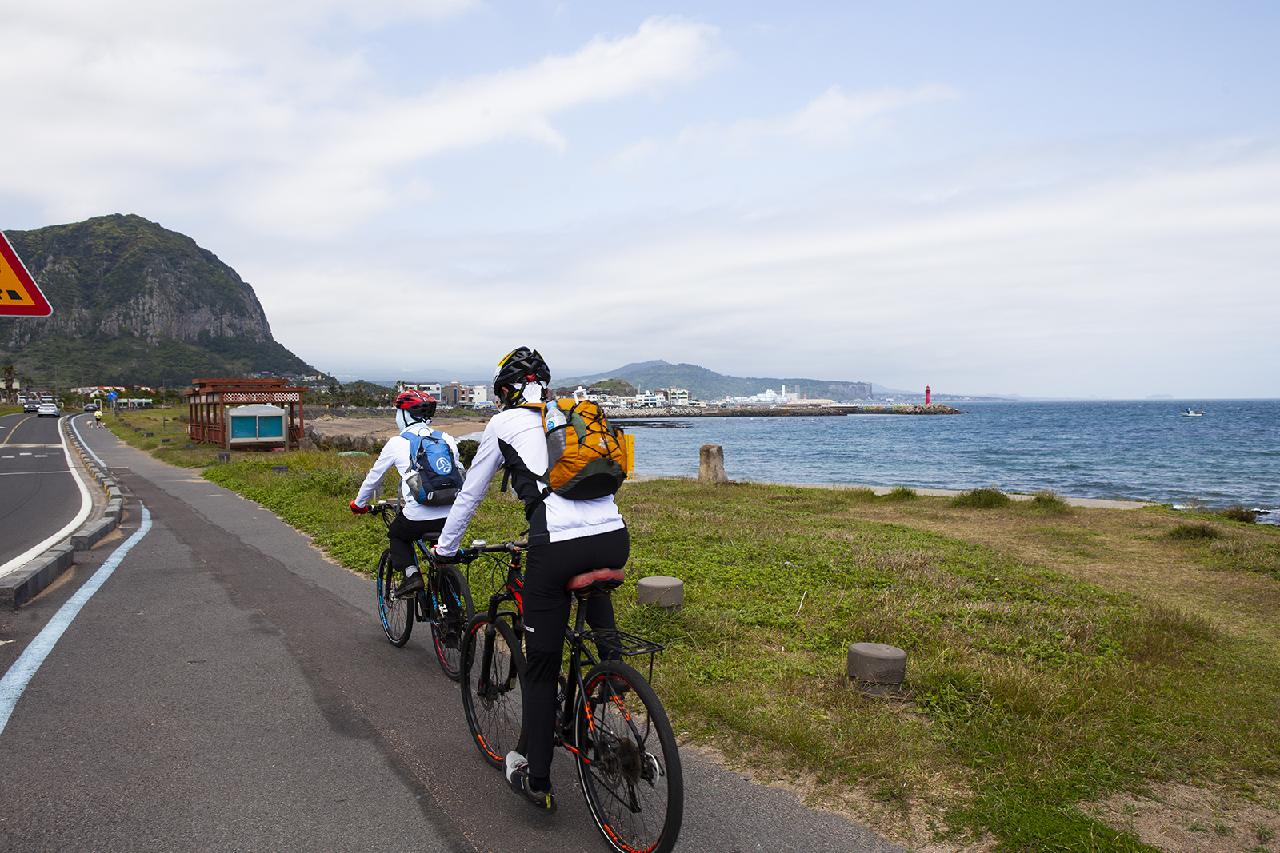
<point x="396" y="452"/>
<point x="514" y="439"/>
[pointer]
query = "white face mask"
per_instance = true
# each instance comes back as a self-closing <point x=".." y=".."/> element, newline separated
<point x="404" y="420"/>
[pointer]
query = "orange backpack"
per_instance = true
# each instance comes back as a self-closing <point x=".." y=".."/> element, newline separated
<point x="586" y="457"/>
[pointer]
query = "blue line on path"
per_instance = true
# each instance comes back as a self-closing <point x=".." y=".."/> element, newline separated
<point x="24" y="668"/>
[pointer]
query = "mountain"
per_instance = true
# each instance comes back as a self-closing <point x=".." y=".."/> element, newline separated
<point x="135" y="303"/>
<point x="706" y="384"/>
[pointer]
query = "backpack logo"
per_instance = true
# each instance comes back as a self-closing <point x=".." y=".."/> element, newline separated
<point x="442" y="465"/>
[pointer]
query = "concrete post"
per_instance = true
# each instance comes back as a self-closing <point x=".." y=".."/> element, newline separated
<point x="876" y="668"/>
<point x="661" y="591"/>
<point x="711" y="464"/>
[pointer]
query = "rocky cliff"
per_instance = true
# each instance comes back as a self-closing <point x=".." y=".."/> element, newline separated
<point x="136" y="303"/>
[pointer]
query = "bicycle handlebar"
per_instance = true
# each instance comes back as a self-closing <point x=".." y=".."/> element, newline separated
<point x="479" y="547"/>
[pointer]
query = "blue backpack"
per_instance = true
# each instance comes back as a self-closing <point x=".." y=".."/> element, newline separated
<point x="434" y="475"/>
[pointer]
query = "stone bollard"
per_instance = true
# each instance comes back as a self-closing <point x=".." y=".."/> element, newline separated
<point x="711" y="464"/>
<point x="661" y="591"/>
<point x="876" y="668"/>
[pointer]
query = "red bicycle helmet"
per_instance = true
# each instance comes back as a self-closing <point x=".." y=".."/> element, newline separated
<point x="420" y="406"/>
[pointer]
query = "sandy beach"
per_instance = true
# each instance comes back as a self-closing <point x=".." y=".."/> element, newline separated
<point x="383" y="428"/>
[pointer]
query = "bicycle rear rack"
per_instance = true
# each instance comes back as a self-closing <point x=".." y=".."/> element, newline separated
<point x="627" y="644"/>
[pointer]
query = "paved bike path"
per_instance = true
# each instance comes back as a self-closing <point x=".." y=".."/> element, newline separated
<point x="230" y="688"/>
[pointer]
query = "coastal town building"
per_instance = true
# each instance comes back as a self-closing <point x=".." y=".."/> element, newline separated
<point x="457" y="394"/>
<point x="677" y="396"/>
<point x="432" y="388"/>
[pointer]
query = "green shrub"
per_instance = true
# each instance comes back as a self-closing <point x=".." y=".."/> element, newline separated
<point x="1239" y="513"/>
<point x="467" y="448"/>
<point x="901" y="493"/>
<point x="982" y="499"/>
<point x="1049" y="503"/>
<point x="1194" y="531"/>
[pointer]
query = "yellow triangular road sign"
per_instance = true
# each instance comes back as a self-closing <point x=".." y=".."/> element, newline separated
<point x="19" y="295"/>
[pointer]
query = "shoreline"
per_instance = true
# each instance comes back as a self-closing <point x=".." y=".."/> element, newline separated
<point x="623" y="415"/>
<point x="923" y="491"/>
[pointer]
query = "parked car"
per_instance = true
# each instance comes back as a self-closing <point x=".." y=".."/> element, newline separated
<point x="50" y="409"/>
<point x="91" y="407"/>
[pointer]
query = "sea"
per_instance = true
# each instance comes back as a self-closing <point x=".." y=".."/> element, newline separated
<point x="1139" y="450"/>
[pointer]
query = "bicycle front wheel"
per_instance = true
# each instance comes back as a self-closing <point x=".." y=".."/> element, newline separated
<point x="628" y="762"/>
<point x="396" y="613"/>
<point x="453" y="611"/>
<point x="492" y="667"/>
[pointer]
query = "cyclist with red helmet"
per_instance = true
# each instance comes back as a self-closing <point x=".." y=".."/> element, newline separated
<point x="414" y="521"/>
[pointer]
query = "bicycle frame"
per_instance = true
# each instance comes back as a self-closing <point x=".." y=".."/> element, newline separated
<point x="423" y="606"/>
<point x="581" y="658"/>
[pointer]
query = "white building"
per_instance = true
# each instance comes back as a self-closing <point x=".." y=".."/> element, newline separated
<point x="678" y="396"/>
<point x="432" y="388"/>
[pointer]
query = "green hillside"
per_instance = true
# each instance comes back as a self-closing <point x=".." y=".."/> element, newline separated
<point x="706" y="384"/>
<point x="135" y="303"/>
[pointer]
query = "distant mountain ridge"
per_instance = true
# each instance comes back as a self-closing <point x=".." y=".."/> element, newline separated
<point x="136" y="303"/>
<point x="706" y="384"/>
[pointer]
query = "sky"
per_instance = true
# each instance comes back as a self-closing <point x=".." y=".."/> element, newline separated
<point x="1073" y="200"/>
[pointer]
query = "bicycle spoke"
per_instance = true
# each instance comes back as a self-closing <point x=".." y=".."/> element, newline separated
<point x="491" y="691"/>
<point x="636" y="801"/>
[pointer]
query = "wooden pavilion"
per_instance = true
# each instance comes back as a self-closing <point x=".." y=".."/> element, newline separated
<point x="250" y="427"/>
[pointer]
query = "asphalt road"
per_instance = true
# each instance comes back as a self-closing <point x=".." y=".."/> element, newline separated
<point x="37" y="494"/>
<point x="228" y="688"/>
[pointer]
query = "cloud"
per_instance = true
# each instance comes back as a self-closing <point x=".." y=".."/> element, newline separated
<point x="245" y="105"/>
<point x="833" y="118"/>
<point x="365" y="147"/>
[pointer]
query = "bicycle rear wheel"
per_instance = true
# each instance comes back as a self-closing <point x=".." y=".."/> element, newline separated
<point x="449" y="622"/>
<point x="628" y="762"/>
<point x="492" y="668"/>
<point x="396" y="613"/>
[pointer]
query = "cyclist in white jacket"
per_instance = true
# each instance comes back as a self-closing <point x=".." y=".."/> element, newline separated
<point x="566" y="538"/>
<point x="414" y="521"/>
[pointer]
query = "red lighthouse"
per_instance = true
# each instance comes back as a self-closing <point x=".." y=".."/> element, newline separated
<point x="926" y="395"/>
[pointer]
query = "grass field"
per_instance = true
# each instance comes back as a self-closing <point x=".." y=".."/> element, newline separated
<point x="1069" y="669"/>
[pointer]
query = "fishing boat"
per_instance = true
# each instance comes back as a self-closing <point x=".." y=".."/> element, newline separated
<point x="1192" y="413"/>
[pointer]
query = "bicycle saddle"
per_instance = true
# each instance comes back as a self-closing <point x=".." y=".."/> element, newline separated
<point x="597" y="580"/>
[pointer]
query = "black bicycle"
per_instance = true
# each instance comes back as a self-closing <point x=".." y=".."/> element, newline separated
<point x="609" y="719"/>
<point x="444" y="602"/>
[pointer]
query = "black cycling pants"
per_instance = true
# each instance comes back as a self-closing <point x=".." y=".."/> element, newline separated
<point x="546" y="614"/>
<point x="403" y="533"/>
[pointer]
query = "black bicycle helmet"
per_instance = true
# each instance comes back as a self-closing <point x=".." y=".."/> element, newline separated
<point x="518" y="367"/>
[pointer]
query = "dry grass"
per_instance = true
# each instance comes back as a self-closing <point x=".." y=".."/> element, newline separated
<point x="1210" y="818"/>
<point x="1125" y="551"/>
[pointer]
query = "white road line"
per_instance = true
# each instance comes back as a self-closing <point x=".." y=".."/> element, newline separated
<point x="15" y="681"/>
<point x="86" y="446"/>
<point x="13" y="473"/>
<point x="86" y="504"/>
